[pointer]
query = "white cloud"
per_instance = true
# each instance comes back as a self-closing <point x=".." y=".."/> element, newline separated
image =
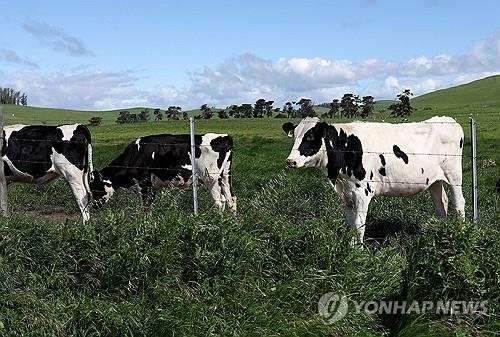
<point x="245" y="78"/>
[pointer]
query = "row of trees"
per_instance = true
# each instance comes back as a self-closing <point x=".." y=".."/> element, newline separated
<point x="349" y="106"/>
<point x="11" y="96"/>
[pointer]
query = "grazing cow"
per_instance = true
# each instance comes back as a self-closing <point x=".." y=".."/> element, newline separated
<point x="152" y="162"/>
<point x="366" y="160"/>
<point x="37" y="154"/>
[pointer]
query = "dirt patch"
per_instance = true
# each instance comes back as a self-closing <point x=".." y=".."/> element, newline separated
<point x="53" y="215"/>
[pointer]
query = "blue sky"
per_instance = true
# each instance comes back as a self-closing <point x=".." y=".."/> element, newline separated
<point x="110" y="54"/>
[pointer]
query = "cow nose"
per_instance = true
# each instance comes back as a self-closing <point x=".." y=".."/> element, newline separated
<point x="291" y="163"/>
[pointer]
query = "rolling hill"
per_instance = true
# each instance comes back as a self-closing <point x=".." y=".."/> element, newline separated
<point x="483" y="94"/>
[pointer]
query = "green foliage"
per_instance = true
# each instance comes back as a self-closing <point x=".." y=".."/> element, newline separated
<point x="402" y="108"/>
<point x="305" y="108"/>
<point x="95" y="121"/>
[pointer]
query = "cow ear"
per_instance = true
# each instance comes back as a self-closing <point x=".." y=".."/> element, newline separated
<point x="288" y="127"/>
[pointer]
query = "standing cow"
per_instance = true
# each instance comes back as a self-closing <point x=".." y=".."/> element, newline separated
<point x="158" y="161"/>
<point x="37" y="154"/>
<point x="366" y="160"/>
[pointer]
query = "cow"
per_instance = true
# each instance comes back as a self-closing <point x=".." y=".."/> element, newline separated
<point x="363" y="160"/>
<point x="37" y="154"/>
<point x="157" y="161"/>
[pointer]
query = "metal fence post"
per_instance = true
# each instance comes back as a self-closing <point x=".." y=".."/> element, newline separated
<point x="473" y="136"/>
<point x="4" y="205"/>
<point x="193" y="166"/>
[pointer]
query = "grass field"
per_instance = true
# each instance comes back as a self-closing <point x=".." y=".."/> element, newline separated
<point x="262" y="272"/>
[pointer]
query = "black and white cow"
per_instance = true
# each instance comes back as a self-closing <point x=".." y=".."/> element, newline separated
<point x="158" y="161"/>
<point x="37" y="154"/>
<point x="366" y="160"/>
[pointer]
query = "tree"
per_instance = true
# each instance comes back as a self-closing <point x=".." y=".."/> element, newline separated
<point x="206" y="111"/>
<point x="367" y="106"/>
<point x="143" y="116"/>
<point x="334" y="109"/>
<point x="259" y="108"/>
<point x="305" y="108"/>
<point x="95" y="121"/>
<point x="123" y="117"/>
<point x="269" y="108"/>
<point x="349" y="105"/>
<point x="223" y="114"/>
<point x="289" y="110"/>
<point x="173" y="113"/>
<point x="234" y="111"/>
<point x="158" y="114"/>
<point x="185" y="115"/>
<point x="246" y="111"/>
<point x="403" y="107"/>
<point x="11" y="96"/>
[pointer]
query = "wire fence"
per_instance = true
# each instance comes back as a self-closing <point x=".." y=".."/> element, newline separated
<point x="189" y="144"/>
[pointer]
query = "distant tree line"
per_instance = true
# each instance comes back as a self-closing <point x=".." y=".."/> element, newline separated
<point x="11" y="96"/>
<point x="349" y="106"/>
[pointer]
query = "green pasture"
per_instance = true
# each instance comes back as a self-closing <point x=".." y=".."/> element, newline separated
<point x="168" y="273"/>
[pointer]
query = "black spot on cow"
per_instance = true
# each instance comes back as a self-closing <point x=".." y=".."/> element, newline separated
<point x="427" y="181"/>
<point x="382" y="159"/>
<point x="461" y="142"/>
<point x="345" y="153"/>
<point x="357" y="185"/>
<point x="366" y="192"/>
<point x="312" y="140"/>
<point x="422" y="170"/>
<point x="382" y="171"/>
<point x="368" y="187"/>
<point x="400" y="154"/>
<point x="371" y="175"/>
<point x="222" y="145"/>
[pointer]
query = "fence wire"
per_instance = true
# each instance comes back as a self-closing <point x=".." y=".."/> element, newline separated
<point x="242" y="171"/>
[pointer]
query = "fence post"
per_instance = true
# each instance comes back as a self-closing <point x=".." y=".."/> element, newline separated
<point x="4" y="205"/>
<point x="473" y="136"/>
<point x="193" y="166"/>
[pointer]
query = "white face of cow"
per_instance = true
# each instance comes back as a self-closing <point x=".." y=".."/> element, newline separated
<point x="309" y="148"/>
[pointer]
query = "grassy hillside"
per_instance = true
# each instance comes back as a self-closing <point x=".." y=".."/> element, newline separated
<point x="480" y="95"/>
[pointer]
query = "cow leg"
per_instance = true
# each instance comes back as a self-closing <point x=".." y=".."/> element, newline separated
<point x="458" y="200"/>
<point x="356" y="213"/>
<point x="77" y="186"/>
<point x="228" y="193"/>
<point x="440" y="198"/>
<point x="216" y="192"/>
<point x="359" y="214"/>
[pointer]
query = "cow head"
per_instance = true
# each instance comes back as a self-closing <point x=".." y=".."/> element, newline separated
<point x="309" y="147"/>
<point x="102" y="189"/>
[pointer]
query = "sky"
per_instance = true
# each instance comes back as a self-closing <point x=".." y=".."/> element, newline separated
<point x="98" y="55"/>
